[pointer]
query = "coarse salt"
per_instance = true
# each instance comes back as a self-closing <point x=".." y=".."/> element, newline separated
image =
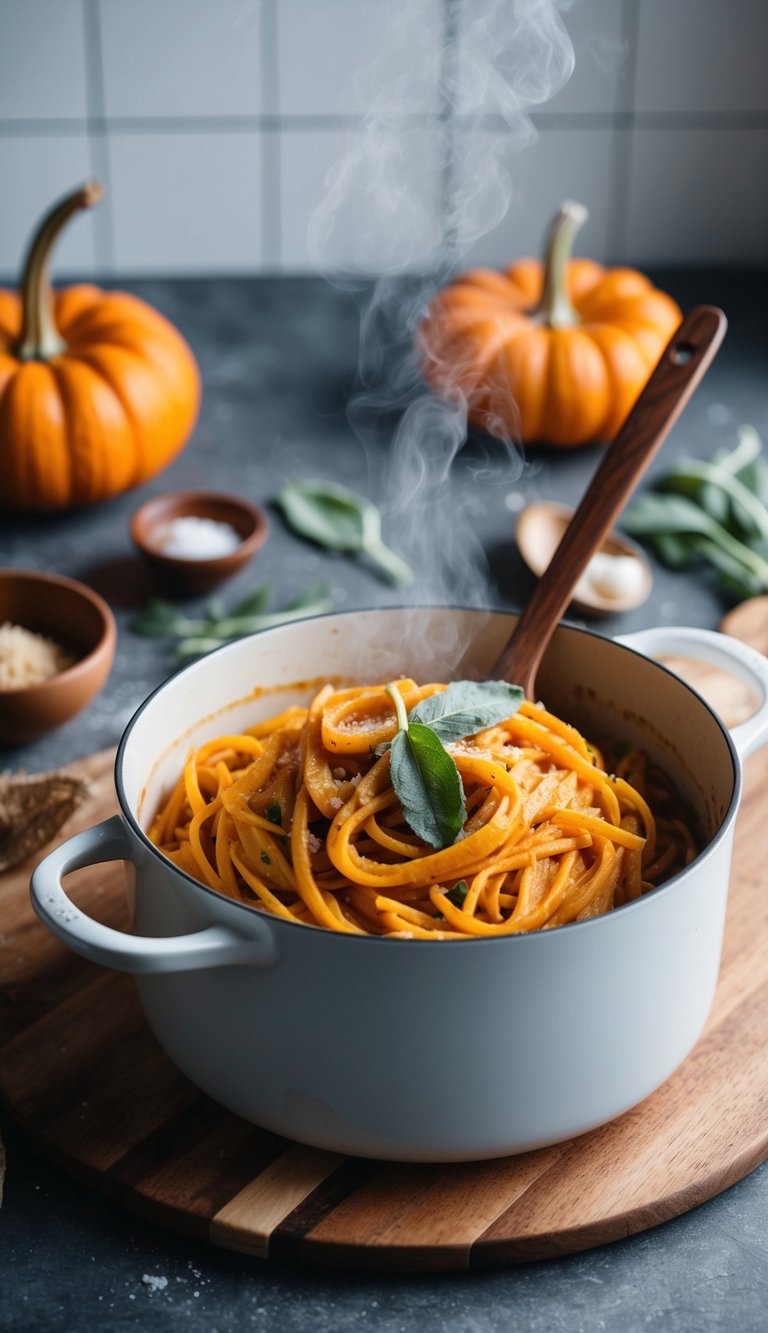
<point x="192" y="538"/>
<point x="154" y="1283"/>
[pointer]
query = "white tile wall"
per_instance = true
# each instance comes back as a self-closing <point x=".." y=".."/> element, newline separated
<point x="505" y="63"/>
<point x="42" y="59"/>
<point x="569" y="164"/>
<point x="698" y="196"/>
<point x="344" y="57"/>
<point x="361" y="199"/>
<point x="599" y="81"/>
<point x="42" y="168"/>
<point x="181" y="57"/>
<point x="214" y="125"/>
<point x="189" y="201"/>
<point x="702" y="56"/>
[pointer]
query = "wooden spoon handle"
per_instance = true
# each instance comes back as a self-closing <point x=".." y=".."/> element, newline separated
<point x="682" y="365"/>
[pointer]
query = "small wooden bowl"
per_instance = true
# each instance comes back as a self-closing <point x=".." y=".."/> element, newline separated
<point x="539" y="530"/>
<point x="193" y="577"/>
<point x="75" y="617"/>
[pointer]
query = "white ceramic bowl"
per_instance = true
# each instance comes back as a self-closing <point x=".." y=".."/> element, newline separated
<point x="418" y="1050"/>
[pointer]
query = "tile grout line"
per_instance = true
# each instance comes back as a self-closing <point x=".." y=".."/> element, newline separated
<point x="623" y="148"/>
<point x="447" y="120"/>
<point x="545" y="122"/>
<point x="271" y="156"/>
<point x="98" y="136"/>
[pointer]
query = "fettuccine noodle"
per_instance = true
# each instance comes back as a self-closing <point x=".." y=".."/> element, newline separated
<point x="298" y="817"/>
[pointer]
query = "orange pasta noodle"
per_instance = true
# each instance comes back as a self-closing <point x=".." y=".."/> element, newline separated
<point x="298" y="817"/>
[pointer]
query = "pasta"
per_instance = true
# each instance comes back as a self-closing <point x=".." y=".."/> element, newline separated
<point x="298" y="817"/>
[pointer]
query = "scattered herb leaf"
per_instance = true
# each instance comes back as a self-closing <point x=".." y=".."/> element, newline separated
<point x="320" y="828"/>
<point x="713" y="510"/>
<point x="161" y="619"/>
<point x="266" y="858"/>
<point x="273" y="813"/>
<point x="426" y="780"/>
<point x="457" y="895"/>
<point x="341" y="520"/>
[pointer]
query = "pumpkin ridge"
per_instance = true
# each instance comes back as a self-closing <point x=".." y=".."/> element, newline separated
<point x="85" y="359"/>
<point x="23" y="414"/>
<point x="97" y="483"/>
<point x="137" y="426"/>
<point x="68" y="432"/>
<point x="612" y="380"/>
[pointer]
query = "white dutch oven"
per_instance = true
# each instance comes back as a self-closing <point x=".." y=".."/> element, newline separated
<point x="404" y="1048"/>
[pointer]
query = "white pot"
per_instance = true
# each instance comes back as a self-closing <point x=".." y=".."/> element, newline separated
<point x="410" y="1049"/>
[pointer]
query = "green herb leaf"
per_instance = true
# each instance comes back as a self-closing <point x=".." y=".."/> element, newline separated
<point x="160" y="619"/>
<point x="468" y="706"/>
<point x="273" y="813"/>
<point x="674" y="551"/>
<point x="739" y="580"/>
<point x="652" y="514"/>
<point x="425" y="779"/>
<point x="457" y="895"/>
<point x="196" y="637"/>
<point x="428" y="785"/>
<point x="713" y="510"/>
<point x="697" y="473"/>
<point x="255" y="604"/>
<point x="266" y="858"/>
<point x="310" y="597"/>
<point x="341" y="520"/>
<point x="215" y="608"/>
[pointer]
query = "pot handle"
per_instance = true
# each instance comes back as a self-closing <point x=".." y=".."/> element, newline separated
<point x="720" y="650"/>
<point x="216" y="946"/>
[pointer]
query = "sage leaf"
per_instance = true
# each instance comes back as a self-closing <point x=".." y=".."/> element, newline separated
<point x="425" y="779"/>
<point x="467" y="706"/>
<point x="160" y="619"/>
<point x="253" y="605"/>
<point x="428" y="785"/>
<point x="674" y="551"/>
<point x="341" y="520"/>
<point x="457" y="895"/>
<point x="654" y="514"/>
<point x="697" y="473"/>
<point x="739" y="580"/>
<point x="713" y="510"/>
<point x="650" y="514"/>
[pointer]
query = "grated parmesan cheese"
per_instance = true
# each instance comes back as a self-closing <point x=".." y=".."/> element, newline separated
<point x="27" y="658"/>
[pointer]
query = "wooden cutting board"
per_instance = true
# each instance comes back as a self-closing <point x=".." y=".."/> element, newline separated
<point x="84" y="1077"/>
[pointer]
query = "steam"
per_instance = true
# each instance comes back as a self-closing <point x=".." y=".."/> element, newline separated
<point x="433" y="169"/>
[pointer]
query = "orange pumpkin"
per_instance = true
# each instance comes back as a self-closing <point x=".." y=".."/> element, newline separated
<point x="98" y="391"/>
<point x="554" y="352"/>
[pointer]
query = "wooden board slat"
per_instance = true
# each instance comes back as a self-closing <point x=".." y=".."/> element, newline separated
<point x="82" y="1074"/>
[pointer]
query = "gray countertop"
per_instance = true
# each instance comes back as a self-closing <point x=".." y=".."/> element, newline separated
<point x="279" y="361"/>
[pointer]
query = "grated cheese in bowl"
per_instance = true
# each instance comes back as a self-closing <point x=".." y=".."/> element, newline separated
<point x="27" y="658"/>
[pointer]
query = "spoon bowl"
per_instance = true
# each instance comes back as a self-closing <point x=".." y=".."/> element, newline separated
<point x="540" y="529"/>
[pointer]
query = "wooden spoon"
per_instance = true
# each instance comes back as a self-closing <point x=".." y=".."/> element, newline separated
<point x="683" y="363"/>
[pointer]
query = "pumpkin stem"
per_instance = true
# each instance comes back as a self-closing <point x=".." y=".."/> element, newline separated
<point x="39" y="338"/>
<point x="555" y="309"/>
